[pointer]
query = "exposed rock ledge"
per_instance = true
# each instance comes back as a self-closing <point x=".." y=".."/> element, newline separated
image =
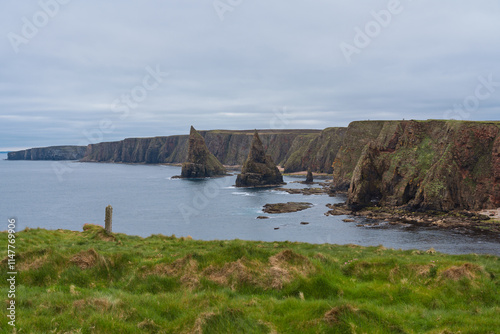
<point x="458" y="221"/>
<point x="304" y="191"/>
<point x="286" y="207"/>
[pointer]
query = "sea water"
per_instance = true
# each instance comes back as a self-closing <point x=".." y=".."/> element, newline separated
<point x="147" y="200"/>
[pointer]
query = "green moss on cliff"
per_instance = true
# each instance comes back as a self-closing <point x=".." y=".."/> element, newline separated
<point x="435" y="188"/>
<point x="436" y="165"/>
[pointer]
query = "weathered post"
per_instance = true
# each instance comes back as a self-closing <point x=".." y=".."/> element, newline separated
<point x="108" y="219"/>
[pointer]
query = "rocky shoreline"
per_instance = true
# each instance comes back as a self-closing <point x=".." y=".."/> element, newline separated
<point x="461" y="221"/>
<point x="303" y="191"/>
<point x="458" y="221"/>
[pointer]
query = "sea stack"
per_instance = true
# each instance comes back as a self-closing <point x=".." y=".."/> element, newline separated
<point x="309" y="177"/>
<point x="201" y="163"/>
<point x="259" y="170"/>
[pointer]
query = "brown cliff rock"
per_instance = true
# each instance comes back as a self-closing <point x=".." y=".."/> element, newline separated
<point x="259" y="170"/>
<point x="201" y="163"/>
<point x="424" y="165"/>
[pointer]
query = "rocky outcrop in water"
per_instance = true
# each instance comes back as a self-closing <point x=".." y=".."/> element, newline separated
<point x="49" y="153"/>
<point x="420" y="165"/>
<point x="259" y="170"/>
<point x="286" y="207"/>
<point x="201" y="163"/>
<point x="309" y="177"/>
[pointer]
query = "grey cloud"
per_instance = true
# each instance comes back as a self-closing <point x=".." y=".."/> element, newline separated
<point x="234" y="74"/>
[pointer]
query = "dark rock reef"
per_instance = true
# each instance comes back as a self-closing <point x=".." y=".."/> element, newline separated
<point x="303" y="191"/>
<point x="49" y="153"/>
<point x="460" y="221"/>
<point x="259" y="170"/>
<point x="286" y="207"/>
<point x="201" y="163"/>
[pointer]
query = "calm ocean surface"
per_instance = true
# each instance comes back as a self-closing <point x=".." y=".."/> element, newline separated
<point x="146" y="200"/>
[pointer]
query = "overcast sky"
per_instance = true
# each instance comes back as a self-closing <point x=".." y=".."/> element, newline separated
<point x="76" y="72"/>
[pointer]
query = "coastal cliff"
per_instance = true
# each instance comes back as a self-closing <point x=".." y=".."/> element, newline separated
<point x="421" y="165"/>
<point x="49" y="153"/>
<point x="295" y="149"/>
<point x="315" y="152"/>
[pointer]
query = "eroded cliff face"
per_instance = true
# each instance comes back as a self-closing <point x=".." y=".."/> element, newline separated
<point x="356" y="136"/>
<point x="427" y="165"/>
<point x="49" y="153"/>
<point x="229" y="147"/>
<point x="172" y="149"/>
<point x="315" y="151"/>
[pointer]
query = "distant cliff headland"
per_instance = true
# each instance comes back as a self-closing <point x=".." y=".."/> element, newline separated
<point x="49" y="153"/>
<point x="422" y="165"/>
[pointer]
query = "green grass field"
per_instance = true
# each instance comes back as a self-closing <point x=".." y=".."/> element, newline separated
<point x="91" y="282"/>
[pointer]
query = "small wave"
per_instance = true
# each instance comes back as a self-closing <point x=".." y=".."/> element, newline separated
<point x="280" y="192"/>
<point x="242" y="194"/>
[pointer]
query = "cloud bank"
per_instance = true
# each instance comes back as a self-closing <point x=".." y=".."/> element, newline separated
<point x="76" y="72"/>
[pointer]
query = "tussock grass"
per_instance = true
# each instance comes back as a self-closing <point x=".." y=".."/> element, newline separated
<point x="91" y="282"/>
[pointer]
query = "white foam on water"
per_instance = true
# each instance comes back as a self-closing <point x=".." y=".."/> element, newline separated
<point x="242" y="193"/>
<point x="281" y="193"/>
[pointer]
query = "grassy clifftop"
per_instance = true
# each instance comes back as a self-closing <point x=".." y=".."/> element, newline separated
<point x="91" y="282"/>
